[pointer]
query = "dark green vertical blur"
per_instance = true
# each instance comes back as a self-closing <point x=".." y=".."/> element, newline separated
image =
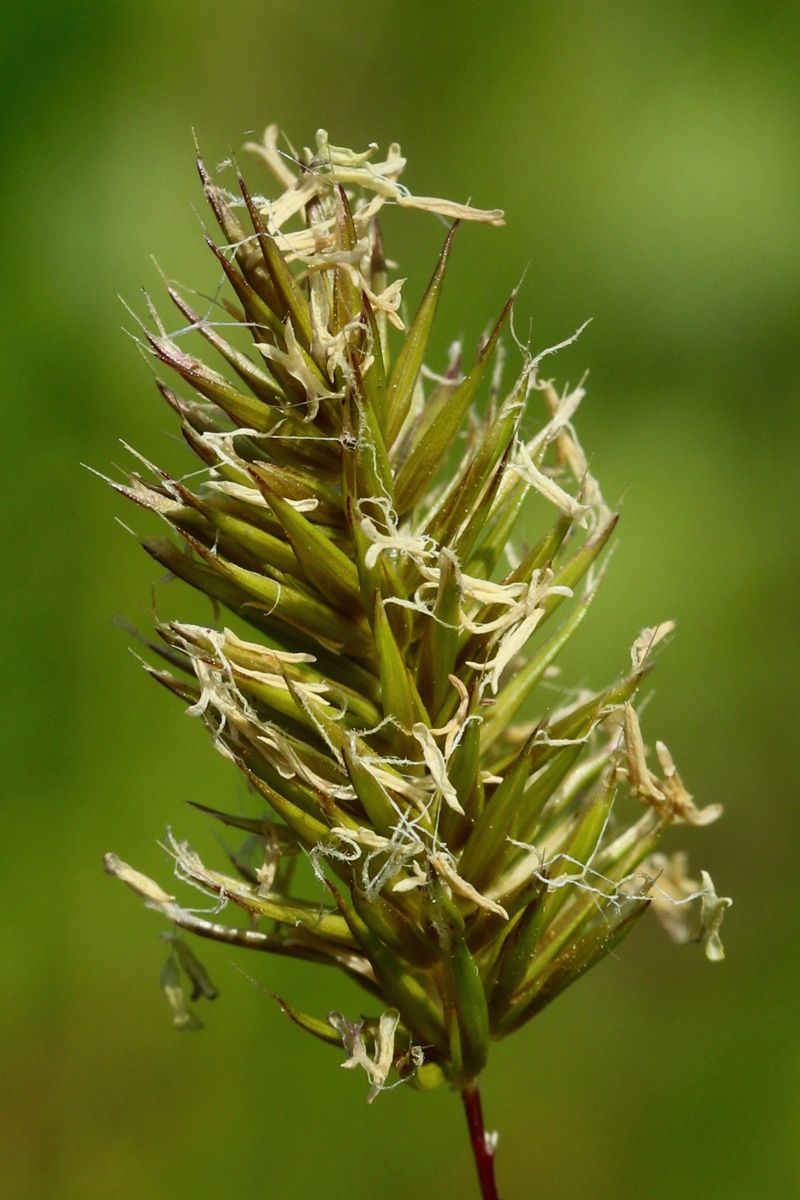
<point x="648" y="159"/>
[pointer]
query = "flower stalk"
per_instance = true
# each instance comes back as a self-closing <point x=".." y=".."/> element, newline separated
<point x="483" y="1144"/>
<point x="432" y="816"/>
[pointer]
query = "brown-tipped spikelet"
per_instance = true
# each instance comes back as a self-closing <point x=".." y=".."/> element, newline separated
<point x="477" y="842"/>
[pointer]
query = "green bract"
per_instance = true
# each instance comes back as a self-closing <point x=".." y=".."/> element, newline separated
<point x="477" y="842"/>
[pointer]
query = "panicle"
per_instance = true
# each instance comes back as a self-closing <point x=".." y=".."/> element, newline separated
<point x="431" y="816"/>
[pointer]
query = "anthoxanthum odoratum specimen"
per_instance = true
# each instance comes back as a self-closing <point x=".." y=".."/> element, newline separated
<point x="403" y="549"/>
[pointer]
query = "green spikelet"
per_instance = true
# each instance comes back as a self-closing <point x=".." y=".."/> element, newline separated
<point x="477" y="841"/>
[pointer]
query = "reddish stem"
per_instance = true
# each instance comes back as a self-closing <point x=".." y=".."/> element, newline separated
<point x="481" y="1148"/>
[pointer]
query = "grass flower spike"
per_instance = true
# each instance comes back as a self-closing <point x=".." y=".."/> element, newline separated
<point x="460" y="839"/>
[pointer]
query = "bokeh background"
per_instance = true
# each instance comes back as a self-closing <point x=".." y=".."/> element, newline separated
<point x="647" y="155"/>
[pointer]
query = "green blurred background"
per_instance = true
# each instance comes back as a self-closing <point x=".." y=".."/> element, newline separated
<point x="648" y="159"/>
